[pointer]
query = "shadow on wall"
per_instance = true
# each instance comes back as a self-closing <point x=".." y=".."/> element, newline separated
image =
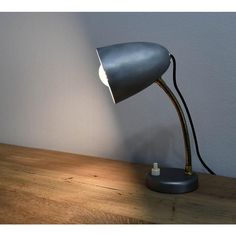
<point x="160" y="145"/>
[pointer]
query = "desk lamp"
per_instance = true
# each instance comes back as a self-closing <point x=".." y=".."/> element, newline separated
<point x="127" y="69"/>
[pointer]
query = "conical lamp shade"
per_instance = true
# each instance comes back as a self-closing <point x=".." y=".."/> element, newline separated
<point x="128" y="68"/>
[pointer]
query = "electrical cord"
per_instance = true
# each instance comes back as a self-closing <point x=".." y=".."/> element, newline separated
<point x="189" y="117"/>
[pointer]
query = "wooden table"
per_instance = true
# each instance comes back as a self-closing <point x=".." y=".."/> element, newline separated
<point x="41" y="186"/>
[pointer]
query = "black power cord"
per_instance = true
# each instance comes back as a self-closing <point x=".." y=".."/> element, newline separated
<point x="189" y="117"/>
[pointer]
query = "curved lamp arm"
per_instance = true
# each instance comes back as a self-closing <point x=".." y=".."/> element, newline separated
<point x="188" y="159"/>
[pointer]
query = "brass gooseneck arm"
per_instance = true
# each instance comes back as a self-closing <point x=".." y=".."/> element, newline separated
<point x="188" y="158"/>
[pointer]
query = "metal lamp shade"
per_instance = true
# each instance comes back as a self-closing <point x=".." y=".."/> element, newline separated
<point x="129" y="68"/>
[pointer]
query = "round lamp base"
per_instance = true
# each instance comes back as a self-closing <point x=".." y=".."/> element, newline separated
<point x="172" y="180"/>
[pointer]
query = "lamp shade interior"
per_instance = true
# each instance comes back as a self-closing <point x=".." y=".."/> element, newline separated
<point x="128" y="68"/>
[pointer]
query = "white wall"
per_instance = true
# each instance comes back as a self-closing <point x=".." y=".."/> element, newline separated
<point x="49" y="93"/>
<point x="51" y="97"/>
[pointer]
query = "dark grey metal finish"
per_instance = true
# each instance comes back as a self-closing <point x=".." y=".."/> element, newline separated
<point x="172" y="180"/>
<point x="131" y="67"/>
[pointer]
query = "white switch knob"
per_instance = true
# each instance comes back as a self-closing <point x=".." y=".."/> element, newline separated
<point x="155" y="169"/>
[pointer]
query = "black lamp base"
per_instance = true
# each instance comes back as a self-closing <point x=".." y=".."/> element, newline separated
<point x="172" y="180"/>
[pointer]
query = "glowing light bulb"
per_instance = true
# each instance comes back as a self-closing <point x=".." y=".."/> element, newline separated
<point x="103" y="76"/>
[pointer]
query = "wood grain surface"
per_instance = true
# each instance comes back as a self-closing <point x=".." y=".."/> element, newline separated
<point x="40" y="186"/>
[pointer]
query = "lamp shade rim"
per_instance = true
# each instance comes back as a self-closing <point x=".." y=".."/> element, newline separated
<point x="108" y="85"/>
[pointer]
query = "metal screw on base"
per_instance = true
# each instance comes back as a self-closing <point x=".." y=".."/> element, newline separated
<point x="155" y="170"/>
